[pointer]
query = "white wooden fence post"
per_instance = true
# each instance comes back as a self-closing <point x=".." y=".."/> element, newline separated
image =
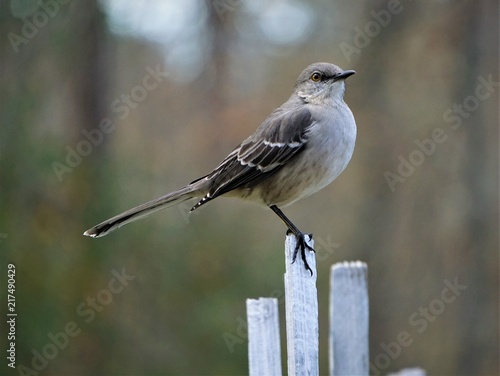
<point x="349" y="319"/>
<point x="264" y="351"/>
<point x="416" y="371"/>
<point x="301" y="301"/>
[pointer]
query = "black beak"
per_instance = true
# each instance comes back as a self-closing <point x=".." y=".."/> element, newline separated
<point x="344" y="75"/>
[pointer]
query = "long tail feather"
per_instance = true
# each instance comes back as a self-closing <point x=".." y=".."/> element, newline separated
<point x="141" y="211"/>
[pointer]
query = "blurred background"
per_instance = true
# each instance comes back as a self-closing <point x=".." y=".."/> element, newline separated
<point x="107" y="104"/>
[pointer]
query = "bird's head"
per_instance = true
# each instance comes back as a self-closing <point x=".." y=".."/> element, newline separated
<point x="322" y="81"/>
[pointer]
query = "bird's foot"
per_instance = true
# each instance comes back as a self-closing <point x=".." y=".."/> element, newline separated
<point x="302" y="246"/>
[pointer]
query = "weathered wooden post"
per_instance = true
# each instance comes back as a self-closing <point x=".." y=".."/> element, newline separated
<point x="301" y="302"/>
<point x="264" y="350"/>
<point x="348" y="343"/>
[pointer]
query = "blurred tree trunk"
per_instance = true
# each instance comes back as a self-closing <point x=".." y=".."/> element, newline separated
<point x="217" y="62"/>
<point x="221" y="31"/>
<point x="480" y="176"/>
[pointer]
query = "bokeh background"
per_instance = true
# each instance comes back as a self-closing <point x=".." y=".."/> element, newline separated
<point x="422" y="221"/>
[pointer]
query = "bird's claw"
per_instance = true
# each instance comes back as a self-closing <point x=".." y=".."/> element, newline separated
<point x="302" y="245"/>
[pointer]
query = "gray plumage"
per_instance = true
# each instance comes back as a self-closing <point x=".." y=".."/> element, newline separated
<point x="300" y="148"/>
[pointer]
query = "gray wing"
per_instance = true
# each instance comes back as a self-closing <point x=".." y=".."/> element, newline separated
<point x="281" y="137"/>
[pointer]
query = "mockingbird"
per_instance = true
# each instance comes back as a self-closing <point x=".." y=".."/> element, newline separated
<point x="299" y="149"/>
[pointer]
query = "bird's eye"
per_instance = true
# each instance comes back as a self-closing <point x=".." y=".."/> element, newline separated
<point x="316" y="77"/>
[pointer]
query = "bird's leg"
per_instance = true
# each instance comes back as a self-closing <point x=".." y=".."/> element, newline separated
<point x="301" y="240"/>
